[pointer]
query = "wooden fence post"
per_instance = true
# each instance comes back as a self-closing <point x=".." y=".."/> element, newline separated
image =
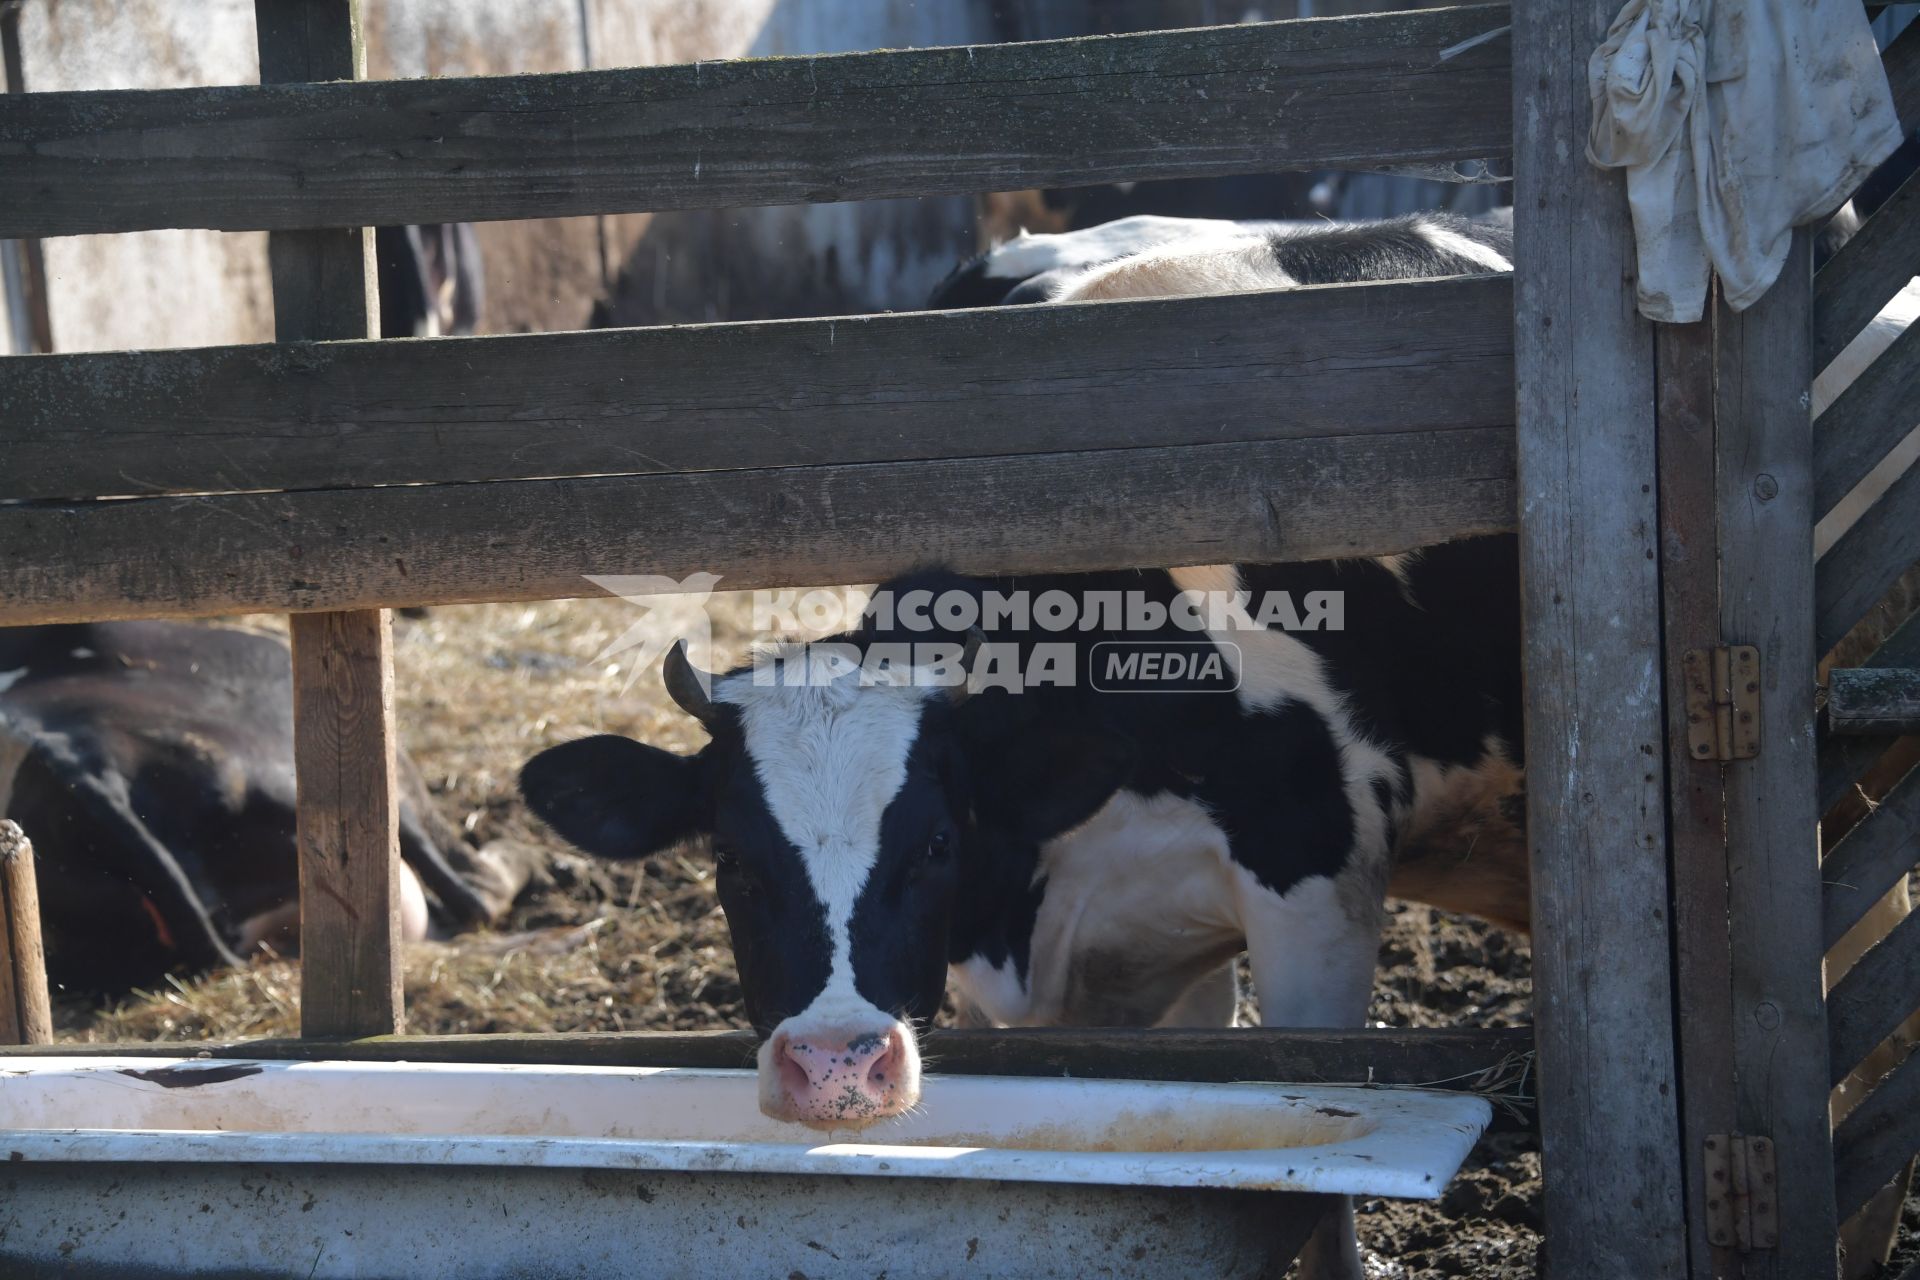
<point x="26" y="1013"/>
<point x="344" y="742"/>
<point x="1583" y="364"/>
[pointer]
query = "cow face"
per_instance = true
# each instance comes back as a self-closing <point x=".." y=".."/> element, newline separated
<point x="833" y="810"/>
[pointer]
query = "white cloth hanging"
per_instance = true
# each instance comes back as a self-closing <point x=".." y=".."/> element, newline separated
<point x="1736" y="121"/>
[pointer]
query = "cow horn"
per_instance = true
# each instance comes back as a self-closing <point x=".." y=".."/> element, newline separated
<point x="688" y="687"/>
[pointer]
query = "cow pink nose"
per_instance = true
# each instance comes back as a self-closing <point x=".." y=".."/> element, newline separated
<point x="830" y="1080"/>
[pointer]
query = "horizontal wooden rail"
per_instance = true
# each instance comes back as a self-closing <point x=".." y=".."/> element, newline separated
<point x="532" y="540"/>
<point x="1844" y="759"/>
<point x="1340" y="93"/>
<point x="1870" y="269"/>
<point x="1874" y="701"/>
<point x="1868" y="559"/>
<point x="1871" y="859"/>
<point x="1872" y="416"/>
<point x="1349" y="360"/>
<point x="1878" y="993"/>
<point x="1875" y="1142"/>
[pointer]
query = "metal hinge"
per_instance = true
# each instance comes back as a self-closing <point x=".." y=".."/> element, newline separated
<point x="1723" y="702"/>
<point x="1743" y="1202"/>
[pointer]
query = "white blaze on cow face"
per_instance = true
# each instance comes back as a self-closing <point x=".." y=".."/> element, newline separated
<point x="831" y="755"/>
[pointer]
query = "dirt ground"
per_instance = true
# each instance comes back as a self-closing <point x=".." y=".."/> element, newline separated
<point x="617" y="946"/>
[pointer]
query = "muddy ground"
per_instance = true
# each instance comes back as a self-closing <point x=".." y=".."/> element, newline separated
<point x="642" y="945"/>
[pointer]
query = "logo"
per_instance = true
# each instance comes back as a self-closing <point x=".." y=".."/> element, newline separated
<point x="1165" y="666"/>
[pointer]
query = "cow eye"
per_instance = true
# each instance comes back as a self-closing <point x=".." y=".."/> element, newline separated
<point x="940" y="846"/>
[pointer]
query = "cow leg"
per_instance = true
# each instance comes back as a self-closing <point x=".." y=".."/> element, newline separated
<point x="417" y="850"/>
<point x="1209" y="1002"/>
<point x="1313" y="950"/>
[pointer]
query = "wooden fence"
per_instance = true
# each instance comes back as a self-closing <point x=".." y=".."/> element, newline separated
<point x="1662" y="506"/>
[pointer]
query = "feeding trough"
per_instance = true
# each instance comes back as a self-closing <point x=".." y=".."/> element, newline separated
<point x="334" y="1169"/>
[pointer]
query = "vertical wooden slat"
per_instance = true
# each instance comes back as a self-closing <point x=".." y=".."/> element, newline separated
<point x="1765" y="505"/>
<point x="1696" y="794"/>
<point x="26" y="1012"/>
<point x="1602" y="977"/>
<point x="323" y="288"/>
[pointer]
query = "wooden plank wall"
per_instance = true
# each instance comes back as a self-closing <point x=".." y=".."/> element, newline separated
<point x="1583" y="364"/>
<point x="344" y="738"/>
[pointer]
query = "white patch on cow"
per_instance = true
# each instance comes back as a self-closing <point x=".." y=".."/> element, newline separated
<point x="1202" y="266"/>
<point x="1312" y="962"/>
<point x="1029" y="255"/>
<point x="1447" y="240"/>
<point x="8" y="679"/>
<point x="830" y="755"/>
<point x="1141" y="891"/>
<point x="996" y="990"/>
<point x="81" y="655"/>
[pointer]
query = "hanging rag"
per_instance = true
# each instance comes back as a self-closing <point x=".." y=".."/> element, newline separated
<point x="1736" y="121"/>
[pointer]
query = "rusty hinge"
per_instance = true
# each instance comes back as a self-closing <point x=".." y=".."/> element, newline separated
<point x="1743" y="1204"/>
<point x="1723" y="702"/>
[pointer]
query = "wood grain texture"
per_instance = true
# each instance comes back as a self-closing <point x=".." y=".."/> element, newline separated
<point x="1874" y="414"/>
<point x="1342" y="94"/>
<point x="1902" y="61"/>
<point x="1764" y="450"/>
<point x="1347" y="360"/>
<point x="1583" y="363"/>
<point x="1876" y="264"/>
<point x="1879" y="993"/>
<point x="1867" y="560"/>
<point x="1696" y="789"/>
<point x="344" y="743"/>
<point x="533" y="540"/>
<point x="1875" y="1142"/>
<point x="1875" y="701"/>
<point x="348" y="823"/>
<point x="1870" y="860"/>
<point x="1843" y="759"/>
<point x="26" y="1010"/>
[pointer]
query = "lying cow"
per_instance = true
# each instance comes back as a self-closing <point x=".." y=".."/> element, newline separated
<point x="152" y="765"/>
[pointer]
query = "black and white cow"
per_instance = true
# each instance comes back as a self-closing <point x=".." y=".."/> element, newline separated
<point x="151" y="763"/>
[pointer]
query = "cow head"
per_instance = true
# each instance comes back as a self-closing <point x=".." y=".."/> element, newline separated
<point x="834" y="808"/>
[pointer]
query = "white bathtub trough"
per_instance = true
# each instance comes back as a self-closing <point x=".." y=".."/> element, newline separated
<point x="152" y="1166"/>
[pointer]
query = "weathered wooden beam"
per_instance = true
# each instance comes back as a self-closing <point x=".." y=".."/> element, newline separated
<point x="1856" y="571"/>
<point x="1874" y="414"/>
<point x="1845" y="759"/>
<point x="1341" y="94"/>
<point x="343" y="732"/>
<point x="1902" y="61"/>
<point x="1870" y="860"/>
<point x="1583" y="364"/>
<point x="1864" y="700"/>
<point x="1869" y="269"/>
<point x="1876" y="1141"/>
<point x="1348" y="360"/>
<point x="533" y="540"/>
<point x="26" y="1011"/>
<point x="1879" y="993"/>
<point x="1764" y="482"/>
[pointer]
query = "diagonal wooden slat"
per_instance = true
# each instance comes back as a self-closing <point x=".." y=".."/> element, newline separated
<point x="1870" y="860"/>
<point x="1878" y="994"/>
<point x="1875" y="413"/>
<point x="1872" y="267"/>
<point x="1343" y="93"/>
<point x="1868" y="559"/>
<point x="1877" y="1140"/>
<point x="1385" y="358"/>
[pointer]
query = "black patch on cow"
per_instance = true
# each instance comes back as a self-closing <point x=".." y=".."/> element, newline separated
<point x="1392" y="249"/>
<point x="969" y="285"/>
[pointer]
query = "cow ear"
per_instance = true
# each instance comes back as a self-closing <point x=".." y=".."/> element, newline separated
<point x="1055" y="781"/>
<point x="615" y="797"/>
